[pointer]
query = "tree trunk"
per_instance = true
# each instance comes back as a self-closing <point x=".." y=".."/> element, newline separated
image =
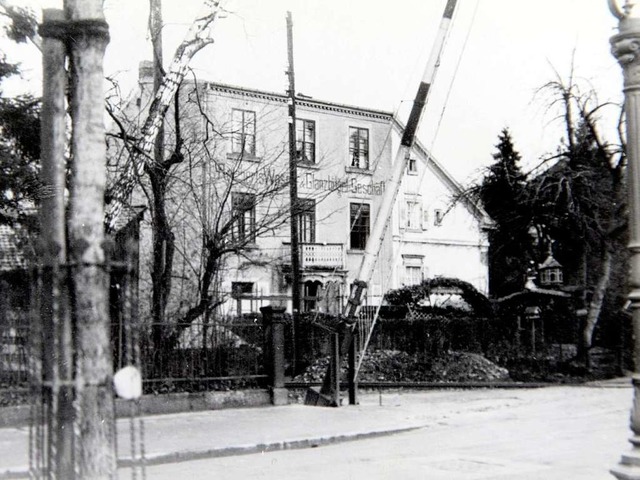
<point x="96" y="423"/>
<point x="595" y="306"/>
<point x="163" y="245"/>
<point x="163" y="249"/>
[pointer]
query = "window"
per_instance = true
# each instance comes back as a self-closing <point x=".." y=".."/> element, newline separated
<point x="359" y="147"/>
<point x="413" y="215"/>
<point x="244" y="132"/>
<point x="241" y="288"/>
<point x="243" y="293"/>
<point x="244" y="217"/>
<point x="412" y="275"/>
<point x="306" y="141"/>
<point x="307" y="220"/>
<point x="550" y="276"/>
<point x="413" y="269"/>
<point x="438" y="215"/>
<point x="311" y="294"/>
<point x="360" y="220"/>
<point x="412" y="167"/>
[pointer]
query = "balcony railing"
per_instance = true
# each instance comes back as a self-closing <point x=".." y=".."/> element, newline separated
<point x="317" y="255"/>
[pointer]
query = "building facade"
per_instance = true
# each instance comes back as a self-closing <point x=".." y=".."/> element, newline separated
<point x="234" y="188"/>
<point x="436" y="230"/>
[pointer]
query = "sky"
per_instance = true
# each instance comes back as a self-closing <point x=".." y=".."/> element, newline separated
<point x="372" y="53"/>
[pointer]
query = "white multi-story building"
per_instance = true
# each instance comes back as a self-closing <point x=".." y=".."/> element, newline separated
<point x="344" y="164"/>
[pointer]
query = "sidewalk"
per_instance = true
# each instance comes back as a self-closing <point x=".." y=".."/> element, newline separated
<point x="216" y="433"/>
<point x="200" y="435"/>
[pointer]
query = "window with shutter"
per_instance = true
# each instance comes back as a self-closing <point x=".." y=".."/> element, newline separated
<point x="306" y="140"/>
<point x="359" y="221"/>
<point x="243" y="140"/>
<point x="243" y="207"/>
<point x="359" y="148"/>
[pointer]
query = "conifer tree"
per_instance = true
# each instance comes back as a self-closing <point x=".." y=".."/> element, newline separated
<point x="19" y="130"/>
<point x="502" y="195"/>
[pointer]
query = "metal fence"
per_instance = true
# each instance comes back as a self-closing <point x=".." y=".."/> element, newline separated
<point x="224" y="353"/>
<point x="15" y="346"/>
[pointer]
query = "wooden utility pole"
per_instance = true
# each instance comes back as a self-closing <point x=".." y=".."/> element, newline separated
<point x="625" y="49"/>
<point x="88" y="36"/>
<point x="293" y="194"/>
<point x="55" y="312"/>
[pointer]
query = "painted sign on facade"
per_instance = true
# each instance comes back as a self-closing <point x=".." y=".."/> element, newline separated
<point x="333" y="183"/>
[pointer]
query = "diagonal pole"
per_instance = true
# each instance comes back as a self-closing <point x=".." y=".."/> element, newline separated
<point x="378" y="231"/>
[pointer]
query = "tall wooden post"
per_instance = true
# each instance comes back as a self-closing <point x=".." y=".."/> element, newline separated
<point x="88" y="37"/>
<point x="293" y="196"/>
<point x="55" y="312"/>
<point x="626" y="49"/>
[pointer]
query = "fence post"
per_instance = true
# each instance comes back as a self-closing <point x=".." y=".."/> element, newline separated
<point x="273" y="322"/>
<point x="353" y="382"/>
<point x="335" y="367"/>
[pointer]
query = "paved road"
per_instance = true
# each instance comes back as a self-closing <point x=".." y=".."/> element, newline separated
<point x="551" y="434"/>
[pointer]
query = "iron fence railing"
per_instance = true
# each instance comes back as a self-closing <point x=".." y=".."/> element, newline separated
<point x="221" y="354"/>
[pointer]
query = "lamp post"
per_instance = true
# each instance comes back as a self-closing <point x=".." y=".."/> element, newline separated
<point x="626" y="48"/>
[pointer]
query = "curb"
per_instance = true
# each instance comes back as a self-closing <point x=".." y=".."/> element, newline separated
<point x="293" y="444"/>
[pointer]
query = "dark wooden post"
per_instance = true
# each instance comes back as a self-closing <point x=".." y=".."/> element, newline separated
<point x="273" y="322"/>
<point x="293" y="199"/>
<point x="335" y="368"/>
<point x="353" y="383"/>
<point x="55" y="310"/>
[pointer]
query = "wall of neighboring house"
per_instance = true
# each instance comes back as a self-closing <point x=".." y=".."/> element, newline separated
<point x="436" y="235"/>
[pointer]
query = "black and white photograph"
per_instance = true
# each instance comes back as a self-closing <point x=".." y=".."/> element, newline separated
<point x="310" y="239"/>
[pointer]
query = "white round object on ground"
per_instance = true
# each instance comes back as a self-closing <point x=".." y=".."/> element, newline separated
<point x="128" y="383"/>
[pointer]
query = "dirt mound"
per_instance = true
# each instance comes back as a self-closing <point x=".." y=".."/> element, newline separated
<point x="397" y="366"/>
<point x="468" y="367"/>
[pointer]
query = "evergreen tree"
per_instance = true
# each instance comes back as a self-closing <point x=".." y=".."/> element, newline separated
<point x="19" y="132"/>
<point x="502" y="194"/>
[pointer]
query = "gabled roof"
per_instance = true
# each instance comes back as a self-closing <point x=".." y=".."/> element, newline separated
<point x="550" y="262"/>
<point x="456" y="188"/>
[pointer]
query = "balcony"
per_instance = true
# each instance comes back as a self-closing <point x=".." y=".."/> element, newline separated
<point x="317" y="255"/>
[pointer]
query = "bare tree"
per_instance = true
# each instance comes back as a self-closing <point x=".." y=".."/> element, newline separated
<point x="214" y="207"/>
<point x="226" y="212"/>
<point x="580" y="200"/>
<point x="157" y="166"/>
